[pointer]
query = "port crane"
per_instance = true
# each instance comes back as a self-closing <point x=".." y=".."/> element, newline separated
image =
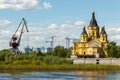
<point x="15" y="40"/>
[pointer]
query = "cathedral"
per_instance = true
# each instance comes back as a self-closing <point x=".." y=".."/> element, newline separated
<point x="93" y="41"/>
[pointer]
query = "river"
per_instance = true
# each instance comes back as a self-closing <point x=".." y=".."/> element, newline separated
<point x="60" y="75"/>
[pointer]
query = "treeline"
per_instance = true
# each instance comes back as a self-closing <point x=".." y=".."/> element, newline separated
<point x="113" y="50"/>
<point x="58" y="56"/>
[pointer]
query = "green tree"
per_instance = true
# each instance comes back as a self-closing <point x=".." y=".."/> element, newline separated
<point x="118" y="48"/>
<point x="69" y="51"/>
<point x="112" y="49"/>
<point x="60" y="51"/>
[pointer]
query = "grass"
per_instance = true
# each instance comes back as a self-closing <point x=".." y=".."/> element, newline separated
<point x="61" y="67"/>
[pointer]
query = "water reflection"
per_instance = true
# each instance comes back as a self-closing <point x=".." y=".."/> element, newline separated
<point x="93" y="75"/>
<point x="56" y="75"/>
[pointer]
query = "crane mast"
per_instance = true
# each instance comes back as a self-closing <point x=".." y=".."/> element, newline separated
<point x="51" y="42"/>
<point x="15" y="41"/>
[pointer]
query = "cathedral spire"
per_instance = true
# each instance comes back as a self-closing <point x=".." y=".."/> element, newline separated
<point x="93" y="21"/>
<point x="103" y="30"/>
<point x="84" y="31"/>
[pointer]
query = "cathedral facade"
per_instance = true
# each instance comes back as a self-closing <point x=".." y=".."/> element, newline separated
<point x="93" y="41"/>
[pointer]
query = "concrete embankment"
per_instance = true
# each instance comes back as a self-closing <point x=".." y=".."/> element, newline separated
<point x="113" y="61"/>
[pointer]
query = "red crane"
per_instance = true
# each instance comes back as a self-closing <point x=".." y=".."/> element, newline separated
<point x="15" y="40"/>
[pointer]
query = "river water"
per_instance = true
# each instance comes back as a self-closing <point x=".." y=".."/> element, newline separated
<point x="60" y="75"/>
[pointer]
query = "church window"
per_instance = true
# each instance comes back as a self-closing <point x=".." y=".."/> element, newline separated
<point x="76" y="53"/>
<point x="84" y="45"/>
<point x="84" y="38"/>
<point x="93" y="34"/>
<point x="84" y="53"/>
<point x="103" y="39"/>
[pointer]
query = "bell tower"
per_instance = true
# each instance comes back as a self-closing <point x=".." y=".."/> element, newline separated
<point x="93" y="28"/>
<point x="84" y="36"/>
<point x="103" y="35"/>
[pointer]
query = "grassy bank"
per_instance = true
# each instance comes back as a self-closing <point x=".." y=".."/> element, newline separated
<point x="48" y="61"/>
<point x="60" y="67"/>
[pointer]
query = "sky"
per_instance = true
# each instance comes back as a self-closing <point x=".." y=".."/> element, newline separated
<point x="58" y="18"/>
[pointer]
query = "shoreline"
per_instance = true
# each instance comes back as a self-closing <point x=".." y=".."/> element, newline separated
<point x="61" y="67"/>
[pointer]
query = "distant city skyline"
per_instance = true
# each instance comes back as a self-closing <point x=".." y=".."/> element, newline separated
<point x="62" y="18"/>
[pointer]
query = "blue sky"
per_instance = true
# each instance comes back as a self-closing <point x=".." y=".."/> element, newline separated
<point x="62" y="18"/>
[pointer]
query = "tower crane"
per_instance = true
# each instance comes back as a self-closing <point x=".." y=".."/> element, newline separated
<point x="67" y="42"/>
<point x="68" y="39"/>
<point x="15" y="40"/>
<point x="51" y="42"/>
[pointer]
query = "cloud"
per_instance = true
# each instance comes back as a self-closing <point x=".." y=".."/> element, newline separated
<point x="80" y="23"/>
<point x="37" y="38"/>
<point x="114" y="30"/>
<point x="113" y="34"/>
<point x="52" y="26"/>
<point x="5" y="32"/>
<point x="115" y="38"/>
<point x="23" y="4"/>
<point x="47" y="5"/>
<point x="66" y="26"/>
<point x="72" y="25"/>
<point x="5" y="22"/>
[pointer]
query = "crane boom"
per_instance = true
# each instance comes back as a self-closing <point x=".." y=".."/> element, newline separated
<point x="24" y="25"/>
<point x="18" y="27"/>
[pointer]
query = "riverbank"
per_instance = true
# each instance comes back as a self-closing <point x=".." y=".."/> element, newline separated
<point x="61" y="67"/>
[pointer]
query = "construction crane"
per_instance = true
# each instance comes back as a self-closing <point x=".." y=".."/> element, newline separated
<point x="68" y="39"/>
<point x="67" y="42"/>
<point x="15" y="40"/>
<point x="51" y="42"/>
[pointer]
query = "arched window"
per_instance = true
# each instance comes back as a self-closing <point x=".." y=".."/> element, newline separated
<point x="84" y="53"/>
<point x="84" y="45"/>
<point x="84" y="39"/>
<point x="93" y="33"/>
<point x="103" y="39"/>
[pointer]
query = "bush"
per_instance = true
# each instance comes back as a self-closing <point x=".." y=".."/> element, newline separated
<point x="60" y="51"/>
<point x="35" y="58"/>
